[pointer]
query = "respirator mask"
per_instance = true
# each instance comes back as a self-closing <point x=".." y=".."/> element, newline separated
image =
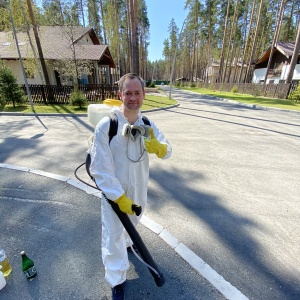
<point x="136" y="131"/>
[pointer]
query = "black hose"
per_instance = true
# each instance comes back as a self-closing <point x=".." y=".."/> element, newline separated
<point x="134" y="235"/>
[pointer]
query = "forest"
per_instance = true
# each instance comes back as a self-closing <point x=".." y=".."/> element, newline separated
<point x="227" y="33"/>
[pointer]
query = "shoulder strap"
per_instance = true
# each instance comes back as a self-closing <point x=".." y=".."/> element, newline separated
<point x="113" y="127"/>
<point x="146" y="120"/>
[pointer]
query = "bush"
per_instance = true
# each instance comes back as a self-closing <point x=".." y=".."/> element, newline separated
<point x="9" y="89"/>
<point x="152" y="84"/>
<point x="77" y="98"/>
<point x="296" y="94"/>
<point x="177" y="84"/>
<point x="234" y="89"/>
<point x="192" y="85"/>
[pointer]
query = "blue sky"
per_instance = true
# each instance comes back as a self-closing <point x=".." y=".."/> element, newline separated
<point x="160" y="14"/>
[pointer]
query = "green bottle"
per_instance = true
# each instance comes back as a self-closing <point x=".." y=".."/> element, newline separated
<point x="28" y="266"/>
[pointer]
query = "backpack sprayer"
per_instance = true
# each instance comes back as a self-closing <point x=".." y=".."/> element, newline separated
<point x="94" y="118"/>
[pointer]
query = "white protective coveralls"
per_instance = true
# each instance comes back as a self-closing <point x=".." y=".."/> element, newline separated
<point x="115" y="171"/>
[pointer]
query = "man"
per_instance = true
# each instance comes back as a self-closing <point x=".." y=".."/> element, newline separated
<point x="121" y="170"/>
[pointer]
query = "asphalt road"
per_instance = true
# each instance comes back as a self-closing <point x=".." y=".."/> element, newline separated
<point x="230" y="192"/>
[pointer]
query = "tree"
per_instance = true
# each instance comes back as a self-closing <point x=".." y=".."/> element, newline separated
<point x="276" y="33"/>
<point x="294" y="58"/>
<point x="9" y="89"/>
<point x="39" y="47"/>
<point x="94" y="17"/>
<point x="254" y="41"/>
<point x="144" y="36"/>
<point x="247" y="41"/>
<point x="231" y="42"/>
<point x="173" y="30"/>
<point x="53" y="13"/>
<point x="193" y="25"/>
<point x="224" y="42"/>
<point x="133" y="25"/>
<point x="232" y="35"/>
<point x="73" y="67"/>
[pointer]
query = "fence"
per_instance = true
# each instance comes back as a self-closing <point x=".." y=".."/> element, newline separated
<point x="280" y="90"/>
<point x="55" y="94"/>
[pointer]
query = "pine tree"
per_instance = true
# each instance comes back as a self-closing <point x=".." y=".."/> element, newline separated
<point x="9" y="89"/>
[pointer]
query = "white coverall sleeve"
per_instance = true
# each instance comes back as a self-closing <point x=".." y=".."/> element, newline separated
<point x="161" y="138"/>
<point x="102" y="165"/>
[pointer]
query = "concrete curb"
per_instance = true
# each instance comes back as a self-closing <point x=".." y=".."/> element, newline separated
<point x="75" y="115"/>
<point x="254" y="106"/>
<point x="202" y="268"/>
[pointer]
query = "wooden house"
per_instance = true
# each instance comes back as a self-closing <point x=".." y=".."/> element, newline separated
<point x="59" y="44"/>
<point x="279" y="66"/>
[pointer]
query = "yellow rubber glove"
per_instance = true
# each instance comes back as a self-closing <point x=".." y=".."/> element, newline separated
<point x="154" y="146"/>
<point x="125" y="204"/>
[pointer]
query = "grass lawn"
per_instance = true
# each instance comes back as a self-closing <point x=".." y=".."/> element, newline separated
<point x="245" y="98"/>
<point x="161" y="100"/>
<point x="150" y="102"/>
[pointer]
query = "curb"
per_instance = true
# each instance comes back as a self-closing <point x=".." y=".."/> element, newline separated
<point x="76" y="115"/>
<point x="254" y="106"/>
<point x="202" y="268"/>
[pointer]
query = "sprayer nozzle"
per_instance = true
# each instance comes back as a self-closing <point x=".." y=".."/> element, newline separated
<point x="160" y="280"/>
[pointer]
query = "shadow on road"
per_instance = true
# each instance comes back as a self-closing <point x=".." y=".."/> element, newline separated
<point x="232" y="231"/>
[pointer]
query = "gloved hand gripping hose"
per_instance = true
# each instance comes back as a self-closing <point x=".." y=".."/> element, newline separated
<point x="137" y="240"/>
<point x="134" y="235"/>
<point x="127" y="206"/>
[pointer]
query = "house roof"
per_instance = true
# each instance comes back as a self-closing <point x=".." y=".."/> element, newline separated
<point x="57" y="43"/>
<point x="286" y="48"/>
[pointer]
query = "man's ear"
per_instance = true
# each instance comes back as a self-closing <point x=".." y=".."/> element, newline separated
<point x="120" y="95"/>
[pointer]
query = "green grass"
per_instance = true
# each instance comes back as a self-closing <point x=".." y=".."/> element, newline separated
<point x="245" y="98"/>
<point x="161" y="100"/>
<point x="51" y="108"/>
<point x="150" y="102"/>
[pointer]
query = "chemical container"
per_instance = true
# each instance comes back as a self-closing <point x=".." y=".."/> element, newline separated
<point x="97" y="111"/>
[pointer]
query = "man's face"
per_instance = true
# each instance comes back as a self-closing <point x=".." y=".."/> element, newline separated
<point x="132" y="94"/>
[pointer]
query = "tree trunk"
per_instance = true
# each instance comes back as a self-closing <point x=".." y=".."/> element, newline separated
<point x="38" y="44"/>
<point x="102" y="18"/>
<point x="133" y="13"/>
<point x="247" y="41"/>
<point x="254" y="42"/>
<point x="223" y="43"/>
<point x="279" y="19"/>
<point x="37" y="62"/>
<point x="230" y="44"/>
<point x="294" y="58"/>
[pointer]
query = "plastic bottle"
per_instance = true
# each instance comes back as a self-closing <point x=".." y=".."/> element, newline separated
<point x="2" y="279"/>
<point x="6" y="267"/>
<point x="28" y="266"/>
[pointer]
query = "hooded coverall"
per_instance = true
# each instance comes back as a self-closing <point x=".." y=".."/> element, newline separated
<point x="118" y="167"/>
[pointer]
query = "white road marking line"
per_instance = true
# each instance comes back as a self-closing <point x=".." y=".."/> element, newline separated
<point x="200" y="266"/>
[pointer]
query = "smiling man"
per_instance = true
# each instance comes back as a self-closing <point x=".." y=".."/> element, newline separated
<point x="132" y="93"/>
<point x="120" y="168"/>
